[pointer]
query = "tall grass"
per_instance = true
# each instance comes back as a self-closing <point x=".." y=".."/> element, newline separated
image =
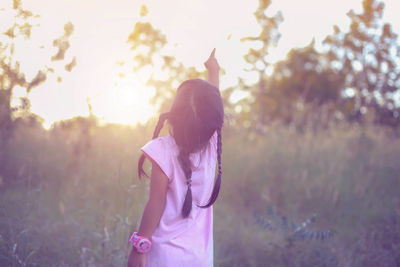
<point x="70" y="196"/>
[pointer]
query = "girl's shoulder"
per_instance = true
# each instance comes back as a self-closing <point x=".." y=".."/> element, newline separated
<point x="165" y="143"/>
<point x="166" y="139"/>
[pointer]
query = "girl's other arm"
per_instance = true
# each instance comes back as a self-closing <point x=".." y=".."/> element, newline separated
<point x="152" y="213"/>
<point x="156" y="203"/>
<point x="212" y="67"/>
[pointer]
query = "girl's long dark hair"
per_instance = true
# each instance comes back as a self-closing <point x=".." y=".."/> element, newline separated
<point x="196" y="114"/>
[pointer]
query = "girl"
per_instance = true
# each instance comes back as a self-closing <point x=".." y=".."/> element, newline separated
<point x="177" y="223"/>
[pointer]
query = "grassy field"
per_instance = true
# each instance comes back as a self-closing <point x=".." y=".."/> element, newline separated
<point x="71" y="197"/>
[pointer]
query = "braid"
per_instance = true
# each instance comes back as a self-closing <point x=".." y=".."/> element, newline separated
<point x="163" y="117"/>
<point x="217" y="184"/>
<point x="187" y="170"/>
<point x="219" y="152"/>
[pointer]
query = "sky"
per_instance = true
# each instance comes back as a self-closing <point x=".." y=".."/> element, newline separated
<point x="193" y="28"/>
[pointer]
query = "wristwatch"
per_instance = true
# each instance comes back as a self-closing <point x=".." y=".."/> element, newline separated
<point x="142" y="244"/>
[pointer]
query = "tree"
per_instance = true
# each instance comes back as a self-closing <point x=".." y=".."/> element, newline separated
<point x="11" y="74"/>
<point x="302" y="85"/>
<point x="355" y="77"/>
<point x="147" y="45"/>
<point x="253" y="107"/>
<point x="367" y="57"/>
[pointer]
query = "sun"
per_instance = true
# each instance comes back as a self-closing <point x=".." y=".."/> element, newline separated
<point x="126" y="102"/>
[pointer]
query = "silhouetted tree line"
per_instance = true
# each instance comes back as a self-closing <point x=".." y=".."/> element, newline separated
<point x="12" y="76"/>
<point x="354" y="78"/>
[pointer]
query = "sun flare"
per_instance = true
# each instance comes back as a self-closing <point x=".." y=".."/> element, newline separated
<point x="126" y="102"/>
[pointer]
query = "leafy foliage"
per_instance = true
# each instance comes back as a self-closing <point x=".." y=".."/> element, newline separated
<point x="147" y="45"/>
<point x="258" y="61"/>
<point x="11" y="74"/>
<point x="355" y="77"/>
<point x="291" y="230"/>
<point x="367" y="58"/>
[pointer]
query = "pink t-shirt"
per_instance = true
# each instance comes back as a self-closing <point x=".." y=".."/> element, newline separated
<point x="179" y="241"/>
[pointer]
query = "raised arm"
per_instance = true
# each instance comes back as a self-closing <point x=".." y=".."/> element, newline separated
<point x="213" y="69"/>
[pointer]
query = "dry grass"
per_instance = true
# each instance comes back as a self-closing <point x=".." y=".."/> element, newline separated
<point x="70" y="197"/>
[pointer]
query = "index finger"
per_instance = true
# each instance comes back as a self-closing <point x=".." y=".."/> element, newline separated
<point x="212" y="53"/>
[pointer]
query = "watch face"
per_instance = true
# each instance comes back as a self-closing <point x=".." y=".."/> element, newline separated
<point x="144" y="245"/>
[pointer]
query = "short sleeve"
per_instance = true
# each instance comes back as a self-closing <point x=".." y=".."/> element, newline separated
<point x="157" y="151"/>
